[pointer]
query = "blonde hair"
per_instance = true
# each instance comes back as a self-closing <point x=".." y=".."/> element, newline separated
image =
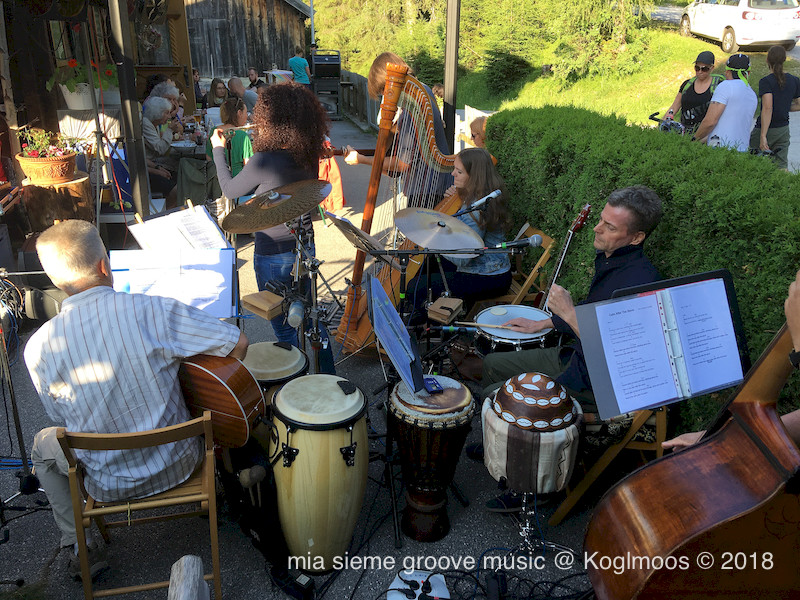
<point x="69" y="252"/>
<point x="376" y="80"/>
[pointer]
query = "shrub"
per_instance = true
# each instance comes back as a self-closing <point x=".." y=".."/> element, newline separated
<point x="722" y="209"/>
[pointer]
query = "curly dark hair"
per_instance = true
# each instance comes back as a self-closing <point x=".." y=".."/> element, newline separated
<point x="289" y="117"/>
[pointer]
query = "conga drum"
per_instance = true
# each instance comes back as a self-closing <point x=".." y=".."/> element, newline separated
<point x="273" y="364"/>
<point x="531" y="428"/>
<point x="430" y="431"/>
<point x="320" y="427"/>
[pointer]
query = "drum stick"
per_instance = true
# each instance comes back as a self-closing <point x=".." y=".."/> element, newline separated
<point x="486" y="325"/>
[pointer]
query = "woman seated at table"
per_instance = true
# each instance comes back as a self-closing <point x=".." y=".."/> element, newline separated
<point x="485" y="276"/>
<point x="238" y="147"/>
<point x="216" y="95"/>
<point x="162" y="168"/>
<point x="289" y="131"/>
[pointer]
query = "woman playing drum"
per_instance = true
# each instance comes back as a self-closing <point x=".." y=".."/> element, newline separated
<point x="488" y="275"/>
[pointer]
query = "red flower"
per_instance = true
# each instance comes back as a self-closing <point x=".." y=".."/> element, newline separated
<point x="72" y="63"/>
<point x="91" y="62"/>
<point x="24" y="145"/>
<point x="76" y="28"/>
<point x="109" y="72"/>
<point x="34" y="153"/>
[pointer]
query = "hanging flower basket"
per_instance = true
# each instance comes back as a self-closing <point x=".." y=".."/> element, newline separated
<point x="48" y="170"/>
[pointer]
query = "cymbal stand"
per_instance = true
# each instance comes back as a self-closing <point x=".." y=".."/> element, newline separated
<point x="530" y="531"/>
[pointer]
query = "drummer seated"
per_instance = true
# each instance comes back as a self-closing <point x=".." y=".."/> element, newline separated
<point x="629" y="216"/>
<point x="108" y="363"/>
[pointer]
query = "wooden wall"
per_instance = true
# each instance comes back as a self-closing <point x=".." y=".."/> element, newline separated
<point x="228" y="36"/>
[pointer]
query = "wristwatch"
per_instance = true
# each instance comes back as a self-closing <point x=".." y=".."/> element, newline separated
<point x="794" y="358"/>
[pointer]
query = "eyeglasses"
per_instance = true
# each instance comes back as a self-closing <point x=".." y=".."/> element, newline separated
<point x="703" y="68"/>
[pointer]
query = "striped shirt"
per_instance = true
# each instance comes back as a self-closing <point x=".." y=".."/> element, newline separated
<point x="108" y="363"/>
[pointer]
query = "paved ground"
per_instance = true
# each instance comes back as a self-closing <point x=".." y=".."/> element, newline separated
<point x="31" y="552"/>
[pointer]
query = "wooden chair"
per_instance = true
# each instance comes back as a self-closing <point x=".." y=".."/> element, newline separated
<point x="199" y="488"/>
<point x="659" y="415"/>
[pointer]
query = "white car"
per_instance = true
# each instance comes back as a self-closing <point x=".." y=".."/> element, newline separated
<point x="744" y="22"/>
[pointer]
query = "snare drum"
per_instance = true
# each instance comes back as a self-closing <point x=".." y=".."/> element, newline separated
<point x="430" y="431"/>
<point x="320" y="427"/>
<point x="499" y="340"/>
<point x="273" y="364"/>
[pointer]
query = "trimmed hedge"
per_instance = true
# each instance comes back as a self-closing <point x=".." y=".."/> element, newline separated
<point x="722" y="209"/>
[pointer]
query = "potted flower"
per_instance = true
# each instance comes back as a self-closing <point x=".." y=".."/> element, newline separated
<point x="73" y="80"/>
<point x="46" y="158"/>
<point x="106" y="82"/>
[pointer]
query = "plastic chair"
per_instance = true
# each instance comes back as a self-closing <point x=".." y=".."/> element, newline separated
<point x="199" y="488"/>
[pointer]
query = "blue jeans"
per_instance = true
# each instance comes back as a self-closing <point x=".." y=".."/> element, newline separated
<point x="278" y="268"/>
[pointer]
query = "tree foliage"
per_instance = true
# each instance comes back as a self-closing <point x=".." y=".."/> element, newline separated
<point x="499" y="36"/>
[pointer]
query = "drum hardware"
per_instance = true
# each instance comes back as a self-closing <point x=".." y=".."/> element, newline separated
<point x="288" y="452"/>
<point x="349" y="452"/>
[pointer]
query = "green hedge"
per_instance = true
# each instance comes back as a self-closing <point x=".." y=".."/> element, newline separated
<point x="722" y="209"/>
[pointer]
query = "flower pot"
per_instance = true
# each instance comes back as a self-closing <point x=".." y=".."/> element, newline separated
<point x="47" y="171"/>
<point x="111" y="97"/>
<point x="80" y="99"/>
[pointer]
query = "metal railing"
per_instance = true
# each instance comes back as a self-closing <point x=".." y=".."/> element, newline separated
<point x="355" y="101"/>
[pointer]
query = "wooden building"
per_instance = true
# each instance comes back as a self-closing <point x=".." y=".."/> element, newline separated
<point x="228" y="36"/>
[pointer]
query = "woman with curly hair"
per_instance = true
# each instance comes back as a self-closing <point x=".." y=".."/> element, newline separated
<point x="487" y="275"/>
<point x="290" y="128"/>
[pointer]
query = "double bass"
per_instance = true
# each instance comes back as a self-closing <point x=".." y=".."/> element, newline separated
<point x="720" y="519"/>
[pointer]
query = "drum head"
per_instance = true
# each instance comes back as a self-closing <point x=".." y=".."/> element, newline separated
<point x="271" y="361"/>
<point x="319" y="401"/>
<point x="501" y="314"/>
<point x="453" y="399"/>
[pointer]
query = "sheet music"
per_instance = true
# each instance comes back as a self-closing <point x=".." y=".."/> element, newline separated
<point x="636" y="352"/>
<point x="193" y="228"/>
<point x="709" y="344"/>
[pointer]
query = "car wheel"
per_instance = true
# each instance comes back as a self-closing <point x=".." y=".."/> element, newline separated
<point x="790" y="46"/>
<point x="729" y="45"/>
<point x="686" y="26"/>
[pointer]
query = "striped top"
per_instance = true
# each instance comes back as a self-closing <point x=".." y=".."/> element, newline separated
<point x="108" y="363"/>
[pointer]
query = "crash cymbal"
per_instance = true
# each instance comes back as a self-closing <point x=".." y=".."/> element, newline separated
<point x="276" y="206"/>
<point x="433" y="230"/>
<point x="361" y="240"/>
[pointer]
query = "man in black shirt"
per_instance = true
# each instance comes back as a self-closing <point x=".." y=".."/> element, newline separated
<point x="629" y="216"/>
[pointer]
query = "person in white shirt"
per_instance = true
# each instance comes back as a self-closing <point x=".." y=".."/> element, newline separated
<point x="108" y="363"/>
<point x="730" y="116"/>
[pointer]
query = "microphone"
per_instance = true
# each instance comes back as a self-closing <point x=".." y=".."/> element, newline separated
<point x="531" y="242"/>
<point x="295" y="314"/>
<point x="479" y="204"/>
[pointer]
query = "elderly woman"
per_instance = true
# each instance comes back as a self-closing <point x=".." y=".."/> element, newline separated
<point x="780" y="95"/>
<point x="162" y="170"/>
<point x="694" y="95"/>
<point x="217" y="94"/>
<point x="290" y="128"/>
<point x="238" y="148"/>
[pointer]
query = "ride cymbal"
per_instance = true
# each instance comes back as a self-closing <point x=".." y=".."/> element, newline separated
<point x="276" y="206"/>
<point x="433" y="230"/>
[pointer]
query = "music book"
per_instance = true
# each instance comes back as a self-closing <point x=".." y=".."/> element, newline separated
<point x="660" y="346"/>
<point x="187" y="229"/>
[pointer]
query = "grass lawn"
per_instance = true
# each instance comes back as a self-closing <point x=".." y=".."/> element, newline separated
<point x="669" y="62"/>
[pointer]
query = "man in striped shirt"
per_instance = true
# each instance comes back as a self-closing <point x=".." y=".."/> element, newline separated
<point x="108" y="363"/>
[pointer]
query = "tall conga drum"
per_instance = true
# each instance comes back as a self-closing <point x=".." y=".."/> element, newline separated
<point x="531" y="428"/>
<point x="273" y="364"/>
<point x="430" y="431"/>
<point x="320" y="427"/>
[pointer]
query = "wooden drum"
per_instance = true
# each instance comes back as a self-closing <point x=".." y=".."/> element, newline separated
<point x="430" y="430"/>
<point x="273" y="364"/>
<point x="531" y="428"/>
<point x="320" y="427"/>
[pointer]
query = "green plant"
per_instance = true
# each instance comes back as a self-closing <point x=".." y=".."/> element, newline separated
<point x="69" y="75"/>
<point x="105" y="77"/>
<point x="38" y="143"/>
<point x="722" y="209"/>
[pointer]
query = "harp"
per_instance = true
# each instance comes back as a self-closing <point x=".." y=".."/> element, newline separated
<point x="428" y="167"/>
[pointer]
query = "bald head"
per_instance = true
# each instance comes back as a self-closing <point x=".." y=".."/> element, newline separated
<point x="236" y="87"/>
<point x="73" y="256"/>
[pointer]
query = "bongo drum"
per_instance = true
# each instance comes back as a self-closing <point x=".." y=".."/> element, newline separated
<point x="320" y="427"/>
<point x="530" y="433"/>
<point x="430" y="431"/>
<point x="500" y="340"/>
<point x="273" y="364"/>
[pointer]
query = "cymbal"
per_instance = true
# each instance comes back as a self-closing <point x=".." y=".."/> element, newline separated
<point x="433" y="230"/>
<point x="276" y="206"/>
<point x="361" y="240"/>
